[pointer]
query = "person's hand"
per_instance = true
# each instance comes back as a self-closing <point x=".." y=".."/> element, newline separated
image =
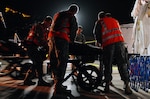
<point x="50" y="43"/>
<point x="97" y="44"/>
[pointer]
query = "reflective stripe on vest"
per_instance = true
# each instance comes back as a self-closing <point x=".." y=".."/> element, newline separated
<point x="65" y="30"/>
<point x="110" y="34"/>
<point x="110" y="37"/>
<point x="105" y="28"/>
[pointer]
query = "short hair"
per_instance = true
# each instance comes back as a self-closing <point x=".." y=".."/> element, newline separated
<point x="48" y="18"/>
<point x="108" y="14"/>
<point x="80" y="27"/>
<point x="73" y="8"/>
<point x="101" y="14"/>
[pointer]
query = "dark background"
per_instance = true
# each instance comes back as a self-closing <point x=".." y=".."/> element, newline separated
<point x="38" y="9"/>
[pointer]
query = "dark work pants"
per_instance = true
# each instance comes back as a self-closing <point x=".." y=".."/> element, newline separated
<point x="62" y="47"/>
<point x="115" y="52"/>
<point x="37" y="59"/>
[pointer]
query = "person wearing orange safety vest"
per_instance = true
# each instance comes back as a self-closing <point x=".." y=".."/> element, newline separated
<point x="109" y="36"/>
<point x="37" y="46"/>
<point x="62" y="32"/>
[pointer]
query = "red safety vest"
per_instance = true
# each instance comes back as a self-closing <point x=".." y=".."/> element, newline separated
<point x="38" y="35"/>
<point x="58" y="29"/>
<point x="111" y="32"/>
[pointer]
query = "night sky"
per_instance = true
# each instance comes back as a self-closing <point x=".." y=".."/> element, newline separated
<point x="38" y="9"/>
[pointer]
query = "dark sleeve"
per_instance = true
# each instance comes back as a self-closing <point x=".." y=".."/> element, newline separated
<point x="73" y="29"/>
<point x="84" y="39"/>
<point x="97" y="32"/>
<point x="38" y="31"/>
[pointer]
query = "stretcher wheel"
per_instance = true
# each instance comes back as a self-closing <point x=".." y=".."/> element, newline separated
<point x="88" y="77"/>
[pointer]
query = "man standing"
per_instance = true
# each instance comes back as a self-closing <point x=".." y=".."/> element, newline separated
<point x="80" y="38"/>
<point x="62" y="32"/>
<point x="109" y="36"/>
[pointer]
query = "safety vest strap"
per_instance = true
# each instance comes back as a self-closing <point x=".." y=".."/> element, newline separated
<point x="65" y="30"/>
<point x="59" y="34"/>
<point x="105" y="28"/>
<point x="110" y="37"/>
<point x="108" y="31"/>
<point x="104" y="25"/>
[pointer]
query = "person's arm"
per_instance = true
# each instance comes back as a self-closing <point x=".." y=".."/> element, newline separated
<point x="73" y="29"/>
<point x="97" y="32"/>
<point x="83" y="38"/>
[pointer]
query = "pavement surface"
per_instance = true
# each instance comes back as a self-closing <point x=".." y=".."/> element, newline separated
<point x="11" y="88"/>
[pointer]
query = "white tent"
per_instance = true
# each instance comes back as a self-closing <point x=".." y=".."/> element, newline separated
<point x="141" y="29"/>
<point x="127" y="33"/>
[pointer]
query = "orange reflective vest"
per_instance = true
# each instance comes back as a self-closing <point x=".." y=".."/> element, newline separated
<point x="38" y="35"/>
<point x="61" y="26"/>
<point x="111" y="32"/>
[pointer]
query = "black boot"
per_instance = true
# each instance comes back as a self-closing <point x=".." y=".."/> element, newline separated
<point x="44" y="83"/>
<point x="60" y="89"/>
<point x="29" y="82"/>
<point x="107" y="89"/>
<point x="127" y="88"/>
<point x="28" y="79"/>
